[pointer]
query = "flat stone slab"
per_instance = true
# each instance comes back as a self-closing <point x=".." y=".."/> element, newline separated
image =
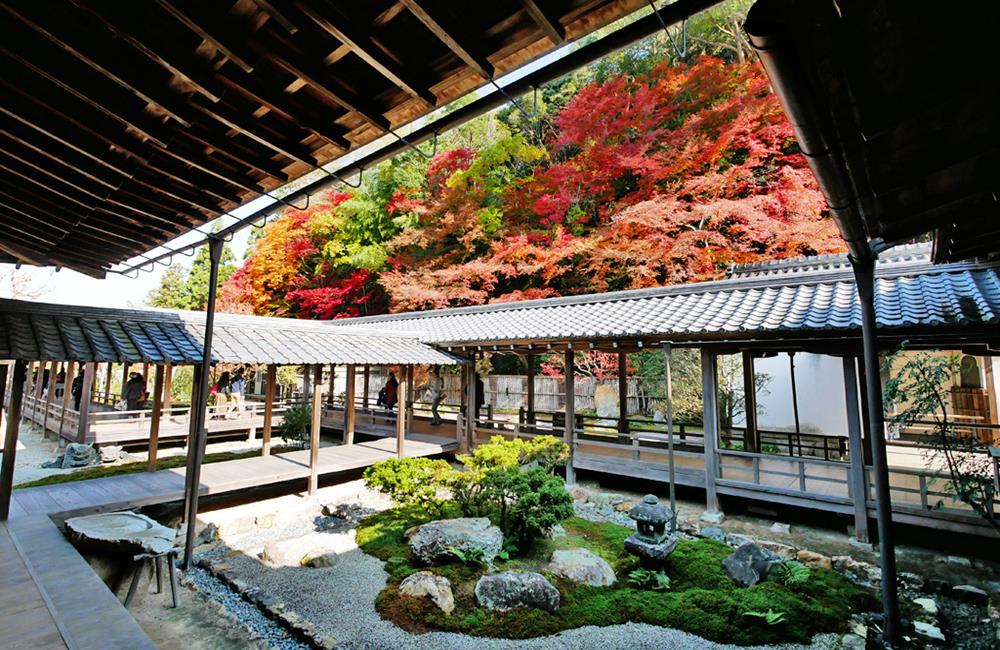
<point x="120" y="532"/>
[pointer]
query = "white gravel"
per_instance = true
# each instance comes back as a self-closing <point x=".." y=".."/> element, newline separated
<point x="339" y="601"/>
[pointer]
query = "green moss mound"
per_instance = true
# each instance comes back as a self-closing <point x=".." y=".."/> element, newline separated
<point x="702" y="599"/>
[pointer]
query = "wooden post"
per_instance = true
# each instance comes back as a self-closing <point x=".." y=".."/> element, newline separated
<point x="858" y="481"/>
<point x="168" y="385"/>
<point x="272" y="378"/>
<point x="83" y="426"/>
<point x="50" y="394"/>
<point x="667" y="377"/>
<point x="795" y="406"/>
<point x="530" y="360"/>
<point x="349" y="411"/>
<point x="470" y="404"/>
<point x="569" y="433"/>
<point x="364" y="387"/>
<point x="307" y="383"/>
<point x="37" y="392"/>
<point x="67" y="395"/>
<point x="332" y="386"/>
<point x="751" y="438"/>
<point x="125" y="367"/>
<point x="622" y="393"/>
<point x="410" y="395"/>
<point x="10" y="440"/>
<point x="154" y="421"/>
<point x="107" y="383"/>
<point x="710" y="401"/>
<point x="401" y="415"/>
<point x="317" y="421"/>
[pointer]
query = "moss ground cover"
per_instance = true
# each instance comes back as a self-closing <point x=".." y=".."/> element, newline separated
<point x="702" y="600"/>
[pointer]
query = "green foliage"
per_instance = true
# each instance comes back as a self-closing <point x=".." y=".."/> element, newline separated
<point x="500" y="454"/>
<point x="918" y="389"/>
<point x="770" y="617"/>
<point x="791" y="574"/>
<point x="296" y="424"/>
<point x="475" y="556"/>
<point x="409" y="481"/>
<point x="643" y="578"/>
<point x="526" y="504"/>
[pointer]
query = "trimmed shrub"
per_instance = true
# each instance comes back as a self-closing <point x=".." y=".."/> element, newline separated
<point x="409" y="481"/>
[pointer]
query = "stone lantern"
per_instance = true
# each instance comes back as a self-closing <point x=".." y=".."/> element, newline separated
<point x="652" y="542"/>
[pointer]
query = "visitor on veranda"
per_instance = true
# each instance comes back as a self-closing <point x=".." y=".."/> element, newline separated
<point x="435" y="393"/>
<point x="77" y="391"/>
<point x="391" y="391"/>
<point x="237" y="389"/>
<point x="223" y="389"/>
<point x="135" y="389"/>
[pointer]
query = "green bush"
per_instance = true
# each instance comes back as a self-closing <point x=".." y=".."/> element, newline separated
<point x="499" y="454"/>
<point x="409" y="481"/>
<point x="527" y="504"/>
<point x="296" y="423"/>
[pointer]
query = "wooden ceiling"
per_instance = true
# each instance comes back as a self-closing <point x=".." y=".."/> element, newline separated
<point x="126" y="124"/>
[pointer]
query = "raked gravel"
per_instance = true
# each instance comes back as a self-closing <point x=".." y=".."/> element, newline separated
<point x="340" y="601"/>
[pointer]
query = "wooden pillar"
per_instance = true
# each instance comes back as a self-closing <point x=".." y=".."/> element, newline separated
<point x="67" y="395"/>
<point x="317" y="421"/>
<point x="408" y="402"/>
<point x="125" y="367"/>
<point x="83" y="427"/>
<point x="154" y="418"/>
<point x="10" y="440"/>
<point x="332" y="386"/>
<point x="364" y="387"/>
<point x="569" y="432"/>
<point x="530" y="360"/>
<point x="858" y="481"/>
<point x="272" y="378"/>
<point x="37" y="392"/>
<point x="795" y="406"/>
<point x="710" y="400"/>
<point x="50" y="394"/>
<point x="307" y="383"/>
<point x="669" y="395"/>
<point x="401" y="414"/>
<point x="168" y="385"/>
<point x="622" y="393"/>
<point x="470" y="404"/>
<point x="107" y="383"/>
<point x="349" y="412"/>
<point x="751" y="438"/>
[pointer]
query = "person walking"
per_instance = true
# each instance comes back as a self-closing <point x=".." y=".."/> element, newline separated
<point x="237" y="392"/>
<point x="77" y="391"/>
<point x="391" y="391"/>
<point x="223" y="389"/>
<point x="135" y="389"/>
<point x="435" y="392"/>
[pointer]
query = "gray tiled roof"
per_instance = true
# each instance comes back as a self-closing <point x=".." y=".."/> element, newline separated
<point x="59" y="332"/>
<point x="911" y="295"/>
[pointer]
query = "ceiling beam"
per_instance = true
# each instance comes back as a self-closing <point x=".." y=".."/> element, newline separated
<point x="318" y="78"/>
<point x="445" y="29"/>
<point x="209" y="27"/>
<point x="549" y="23"/>
<point x="279" y="17"/>
<point x="342" y="29"/>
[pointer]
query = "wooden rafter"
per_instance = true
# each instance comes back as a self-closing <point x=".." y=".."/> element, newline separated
<point x="546" y="21"/>
<point x="340" y="28"/>
<point x="442" y="27"/>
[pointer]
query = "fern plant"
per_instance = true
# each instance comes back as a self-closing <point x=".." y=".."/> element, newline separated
<point x="791" y="574"/>
<point x="770" y="617"/>
<point x="648" y="579"/>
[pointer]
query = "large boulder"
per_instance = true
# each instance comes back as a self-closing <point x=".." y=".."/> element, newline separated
<point x="80" y="455"/>
<point x="426" y="584"/>
<point x="749" y="564"/>
<point x="432" y="542"/>
<point x="507" y="590"/>
<point x="127" y="533"/>
<point x="582" y="567"/>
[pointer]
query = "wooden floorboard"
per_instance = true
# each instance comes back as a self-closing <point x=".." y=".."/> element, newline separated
<point x="25" y="620"/>
<point x="85" y="612"/>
